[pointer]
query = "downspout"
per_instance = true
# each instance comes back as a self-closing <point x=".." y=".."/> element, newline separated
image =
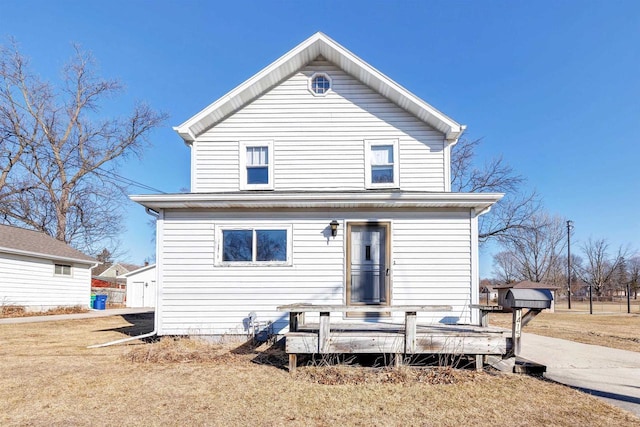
<point x="155" y="313"/>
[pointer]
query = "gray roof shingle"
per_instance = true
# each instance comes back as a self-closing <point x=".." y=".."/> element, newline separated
<point x="20" y="240"/>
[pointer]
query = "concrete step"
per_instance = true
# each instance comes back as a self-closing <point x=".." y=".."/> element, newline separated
<point x="517" y="365"/>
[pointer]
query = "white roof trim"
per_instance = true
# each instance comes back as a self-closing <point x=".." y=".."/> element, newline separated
<point x="294" y="60"/>
<point x="139" y="270"/>
<point x="49" y="257"/>
<point x="318" y="200"/>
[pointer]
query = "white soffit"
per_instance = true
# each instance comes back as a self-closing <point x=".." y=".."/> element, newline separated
<point x="320" y="200"/>
<point x="296" y="59"/>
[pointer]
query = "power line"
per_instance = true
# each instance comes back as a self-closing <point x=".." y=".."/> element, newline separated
<point x="105" y="173"/>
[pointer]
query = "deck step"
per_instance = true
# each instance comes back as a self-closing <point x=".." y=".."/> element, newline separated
<point x="518" y="365"/>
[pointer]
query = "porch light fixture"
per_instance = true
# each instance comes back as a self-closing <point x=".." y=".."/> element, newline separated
<point x="334" y="227"/>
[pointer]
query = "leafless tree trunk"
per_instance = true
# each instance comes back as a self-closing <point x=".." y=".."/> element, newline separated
<point x="599" y="267"/>
<point x="60" y="174"/>
<point x="634" y="275"/>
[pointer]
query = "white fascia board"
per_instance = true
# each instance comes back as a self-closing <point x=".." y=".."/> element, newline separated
<point x="49" y="257"/>
<point x="320" y="200"/>
<point x="250" y="89"/>
<point x="140" y="270"/>
<point x="293" y="61"/>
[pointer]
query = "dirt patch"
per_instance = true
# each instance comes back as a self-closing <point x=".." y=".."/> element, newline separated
<point x="7" y="311"/>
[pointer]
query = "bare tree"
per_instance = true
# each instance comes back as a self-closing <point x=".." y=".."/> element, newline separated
<point x="60" y="170"/>
<point x="599" y="267"/>
<point x="505" y="267"/>
<point x="514" y="210"/>
<point x="634" y="275"/>
<point x="535" y="249"/>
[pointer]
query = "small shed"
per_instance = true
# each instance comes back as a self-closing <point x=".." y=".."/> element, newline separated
<point x="524" y="285"/>
<point x="38" y="272"/>
<point x="141" y="286"/>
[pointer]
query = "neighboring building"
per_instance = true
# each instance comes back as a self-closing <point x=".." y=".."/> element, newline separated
<point x="111" y="273"/>
<point x="318" y="180"/>
<point x="526" y="284"/>
<point x="141" y="286"/>
<point x="38" y="272"/>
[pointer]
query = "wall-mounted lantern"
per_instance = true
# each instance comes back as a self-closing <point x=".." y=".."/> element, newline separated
<point x="334" y="227"/>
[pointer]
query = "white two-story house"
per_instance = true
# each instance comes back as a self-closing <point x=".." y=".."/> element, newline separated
<point x="318" y="180"/>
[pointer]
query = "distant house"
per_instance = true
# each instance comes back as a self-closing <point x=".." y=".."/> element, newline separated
<point x="111" y="274"/>
<point x="488" y="293"/>
<point x="38" y="272"/>
<point x="141" y="286"/>
<point x="526" y="284"/>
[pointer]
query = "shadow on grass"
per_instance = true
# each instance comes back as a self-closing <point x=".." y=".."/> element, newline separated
<point x="140" y="323"/>
<point x="269" y="353"/>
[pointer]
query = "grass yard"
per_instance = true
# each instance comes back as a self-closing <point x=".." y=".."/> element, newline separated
<point x="606" y="326"/>
<point x="49" y="378"/>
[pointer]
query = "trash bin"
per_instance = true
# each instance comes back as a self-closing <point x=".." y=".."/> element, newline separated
<point x="101" y="302"/>
<point x="93" y="301"/>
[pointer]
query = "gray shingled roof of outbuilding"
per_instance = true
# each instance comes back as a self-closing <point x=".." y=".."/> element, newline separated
<point x="28" y="242"/>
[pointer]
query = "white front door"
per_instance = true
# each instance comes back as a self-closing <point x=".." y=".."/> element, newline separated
<point x="368" y="264"/>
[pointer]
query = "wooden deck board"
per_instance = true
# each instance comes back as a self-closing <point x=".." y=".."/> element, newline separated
<point x="388" y="338"/>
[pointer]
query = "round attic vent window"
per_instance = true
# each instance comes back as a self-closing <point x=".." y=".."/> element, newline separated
<point x="320" y="84"/>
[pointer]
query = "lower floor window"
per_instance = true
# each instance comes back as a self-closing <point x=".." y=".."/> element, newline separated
<point x="255" y="246"/>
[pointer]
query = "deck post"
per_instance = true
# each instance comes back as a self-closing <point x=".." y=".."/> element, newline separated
<point x="410" y="323"/>
<point x="484" y="318"/>
<point x="293" y="362"/>
<point x="296" y="318"/>
<point x="479" y="362"/>
<point x="323" y="332"/>
<point x="397" y="360"/>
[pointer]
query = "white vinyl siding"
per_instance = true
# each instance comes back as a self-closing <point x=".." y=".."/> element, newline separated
<point x="431" y="264"/>
<point x="33" y="283"/>
<point x="318" y="140"/>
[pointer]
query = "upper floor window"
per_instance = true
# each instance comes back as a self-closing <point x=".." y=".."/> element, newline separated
<point x="381" y="164"/>
<point x="256" y="165"/>
<point x="320" y="84"/>
<point x="62" y="270"/>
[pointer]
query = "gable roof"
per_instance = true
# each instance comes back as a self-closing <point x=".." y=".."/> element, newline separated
<point x="316" y="45"/>
<point x="20" y="241"/>
<point x="117" y="266"/>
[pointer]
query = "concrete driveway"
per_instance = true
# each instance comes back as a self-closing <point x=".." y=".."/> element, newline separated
<point x="613" y="375"/>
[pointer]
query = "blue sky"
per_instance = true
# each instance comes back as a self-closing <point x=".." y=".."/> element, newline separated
<point x="552" y="86"/>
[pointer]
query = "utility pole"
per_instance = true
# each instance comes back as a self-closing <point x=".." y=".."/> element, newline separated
<point x="569" y="227"/>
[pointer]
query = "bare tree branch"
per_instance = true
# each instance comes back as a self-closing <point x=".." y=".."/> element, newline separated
<point x="57" y="154"/>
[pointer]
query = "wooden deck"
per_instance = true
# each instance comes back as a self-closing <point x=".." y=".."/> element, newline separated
<point x="403" y="339"/>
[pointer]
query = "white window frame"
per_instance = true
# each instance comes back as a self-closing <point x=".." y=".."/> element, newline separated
<point x="259" y="227"/>
<point x="368" y="144"/>
<point x="55" y="265"/>
<point x="244" y="185"/>
<point x="313" y="77"/>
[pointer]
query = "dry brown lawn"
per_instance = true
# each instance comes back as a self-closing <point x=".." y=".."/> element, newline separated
<point x="606" y="326"/>
<point x="49" y="378"/>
